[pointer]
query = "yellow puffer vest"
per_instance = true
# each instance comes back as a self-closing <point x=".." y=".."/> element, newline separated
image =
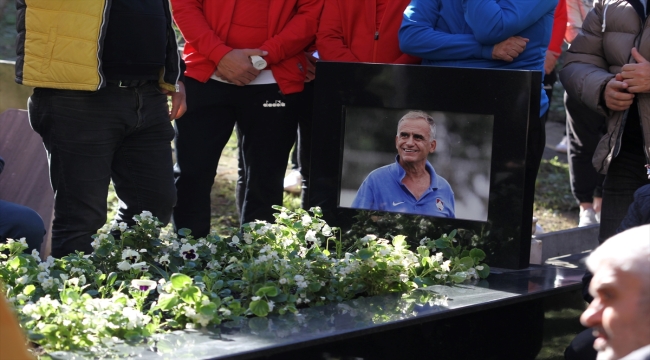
<point x="60" y="45"/>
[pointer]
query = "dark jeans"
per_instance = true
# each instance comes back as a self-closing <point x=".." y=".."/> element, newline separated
<point x="17" y="221"/>
<point x="301" y="155"/>
<point x="93" y="137"/>
<point x="584" y="129"/>
<point x="267" y="134"/>
<point x="625" y="175"/>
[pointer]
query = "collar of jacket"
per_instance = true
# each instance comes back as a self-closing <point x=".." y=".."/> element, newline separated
<point x="638" y="7"/>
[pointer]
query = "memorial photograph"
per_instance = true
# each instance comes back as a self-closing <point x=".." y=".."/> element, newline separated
<point x="452" y="151"/>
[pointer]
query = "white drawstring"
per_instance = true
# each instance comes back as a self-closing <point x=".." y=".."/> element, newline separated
<point x="605" y="18"/>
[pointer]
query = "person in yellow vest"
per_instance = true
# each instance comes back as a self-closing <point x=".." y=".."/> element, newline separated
<point x="12" y="340"/>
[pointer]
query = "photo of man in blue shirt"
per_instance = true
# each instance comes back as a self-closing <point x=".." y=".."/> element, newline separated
<point x="410" y="185"/>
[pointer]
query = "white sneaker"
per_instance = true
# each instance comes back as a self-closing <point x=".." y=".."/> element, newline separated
<point x="293" y="182"/>
<point x="587" y="217"/>
<point x="561" y="147"/>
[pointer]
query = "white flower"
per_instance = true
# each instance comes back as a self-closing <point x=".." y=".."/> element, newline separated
<point x="122" y="226"/>
<point x="403" y="277"/>
<point x="23" y="241"/>
<point x="130" y="255"/>
<point x="164" y="260"/>
<point x="188" y="252"/>
<point x="283" y="281"/>
<point x="225" y="312"/>
<point x="439" y="257"/>
<point x="284" y="215"/>
<point x="124" y="265"/>
<point x="445" y="265"/>
<point x="41" y="277"/>
<point x="248" y="238"/>
<point x="22" y="280"/>
<point x="255" y="298"/>
<point x="142" y="250"/>
<point x="235" y="240"/>
<point x="364" y="240"/>
<point x="113" y="225"/>
<point x="143" y="285"/>
<point x="302" y="284"/>
<point x="306" y="219"/>
<point x="327" y="231"/>
<point x="35" y="255"/>
<point x="63" y="277"/>
<point x="299" y="278"/>
<point x="141" y="266"/>
<point x="479" y="268"/>
<point x="96" y="243"/>
<point x="271" y="305"/>
<point x="311" y="236"/>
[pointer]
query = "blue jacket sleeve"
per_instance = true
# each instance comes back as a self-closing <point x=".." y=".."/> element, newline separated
<point x="494" y="21"/>
<point x="365" y="197"/>
<point x="418" y="37"/>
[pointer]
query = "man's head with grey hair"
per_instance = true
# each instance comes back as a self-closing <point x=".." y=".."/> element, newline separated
<point x="620" y="311"/>
<point x="417" y="114"/>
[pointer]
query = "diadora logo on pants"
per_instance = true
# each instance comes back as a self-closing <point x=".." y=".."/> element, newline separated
<point x="277" y="103"/>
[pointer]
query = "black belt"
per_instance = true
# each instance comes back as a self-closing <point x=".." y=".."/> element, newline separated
<point x="129" y="83"/>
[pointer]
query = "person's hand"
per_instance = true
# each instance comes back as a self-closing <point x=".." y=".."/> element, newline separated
<point x="616" y="96"/>
<point x="237" y="68"/>
<point x="637" y="76"/>
<point x="178" y="102"/>
<point x="509" y="49"/>
<point x="550" y="61"/>
<point x="311" y="66"/>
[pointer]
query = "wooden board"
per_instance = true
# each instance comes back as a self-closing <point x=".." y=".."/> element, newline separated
<point x="25" y="179"/>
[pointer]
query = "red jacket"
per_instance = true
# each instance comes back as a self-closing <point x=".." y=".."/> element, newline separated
<point x="348" y="32"/>
<point x="559" y="28"/>
<point x="292" y="27"/>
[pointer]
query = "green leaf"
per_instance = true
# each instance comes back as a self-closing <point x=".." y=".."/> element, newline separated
<point x="209" y="309"/>
<point x="484" y="272"/>
<point x="102" y="251"/>
<point x="29" y="289"/>
<point x="259" y="308"/>
<point x="191" y="295"/>
<point x="314" y="286"/>
<point x="167" y="301"/>
<point x="110" y="280"/>
<point x="466" y="263"/>
<point x="267" y="291"/>
<point x="179" y="281"/>
<point x="399" y="241"/>
<point x="382" y="265"/>
<point x="442" y="243"/>
<point x="458" y="277"/>
<point x="423" y="251"/>
<point x="365" y="254"/>
<point x="184" y="232"/>
<point x="14" y="263"/>
<point x="477" y="255"/>
<point x="280" y="298"/>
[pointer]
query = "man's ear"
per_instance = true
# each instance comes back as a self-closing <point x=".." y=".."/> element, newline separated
<point x="433" y="146"/>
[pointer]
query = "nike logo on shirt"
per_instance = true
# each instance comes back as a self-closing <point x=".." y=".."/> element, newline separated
<point x="397" y="203"/>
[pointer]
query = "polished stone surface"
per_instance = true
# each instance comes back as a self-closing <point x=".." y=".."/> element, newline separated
<point x="363" y="318"/>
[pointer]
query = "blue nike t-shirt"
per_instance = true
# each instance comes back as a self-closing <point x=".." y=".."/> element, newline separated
<point x="383" y="190"/>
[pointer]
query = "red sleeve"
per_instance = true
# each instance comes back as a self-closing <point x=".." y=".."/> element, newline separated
<point x="297" y="34"/>
<point x="188" y="15"/>
<point x="559" y="28"/>
<point x="329" y="39"/>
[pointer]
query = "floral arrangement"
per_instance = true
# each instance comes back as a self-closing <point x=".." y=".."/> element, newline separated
<point x="149" y="281"/>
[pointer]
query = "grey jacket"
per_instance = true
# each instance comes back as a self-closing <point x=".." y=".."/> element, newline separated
<point x="598" y="52"/>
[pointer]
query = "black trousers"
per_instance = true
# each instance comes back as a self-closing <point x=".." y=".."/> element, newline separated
<point x="625" y="175"/>
<point x="267" y="134"/>
<point x="93" y="137"/>
<point x="584" y="128"/>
